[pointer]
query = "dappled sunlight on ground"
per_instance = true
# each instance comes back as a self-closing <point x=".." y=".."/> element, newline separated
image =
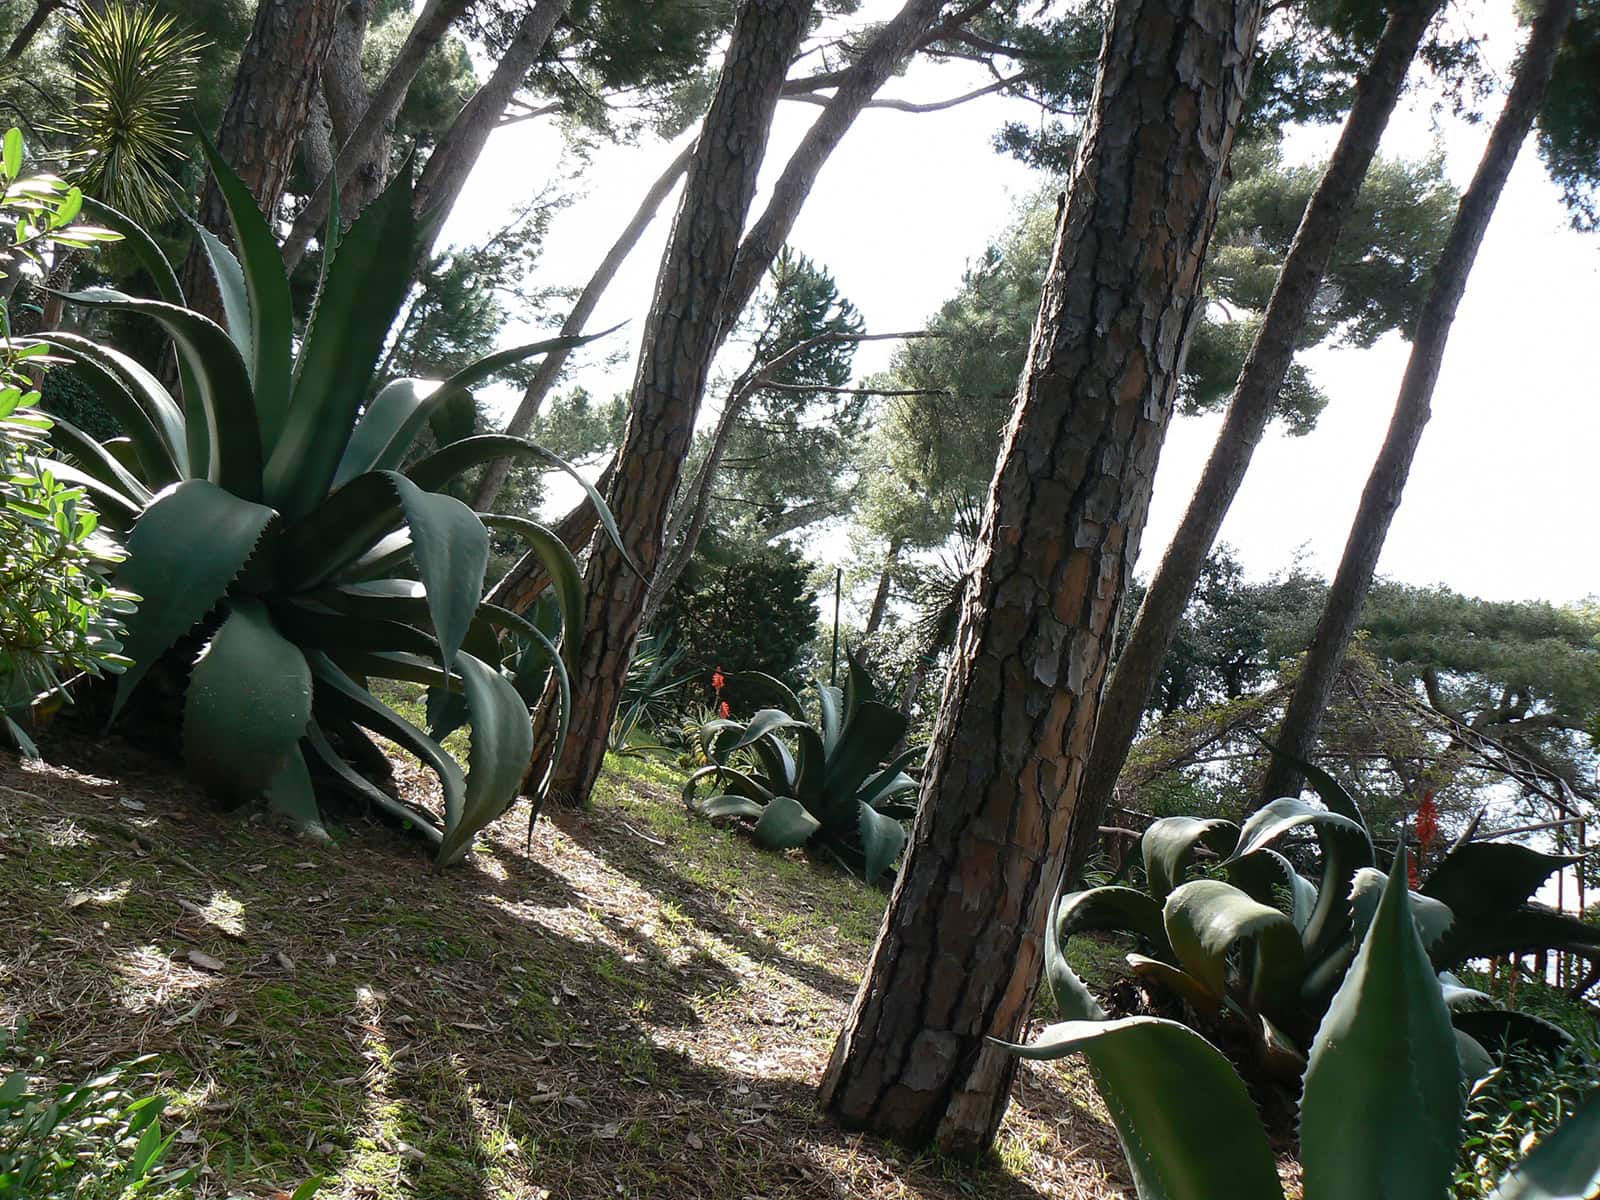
<point x="640" y="1007"/>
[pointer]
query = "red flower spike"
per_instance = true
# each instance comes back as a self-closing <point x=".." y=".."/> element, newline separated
<point x="725" y="711"/>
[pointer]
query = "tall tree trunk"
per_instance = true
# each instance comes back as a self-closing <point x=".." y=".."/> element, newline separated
<point x="880" y="600"/>
<point x="693" y="311"/>
<point x="457" y="153"/>
<point x="42" y="11"/>
<point x="889" y="48"/>
<point x="494" y="475"/>
<point x="1254" y="400"/>
<point x="1381" y="497"/>
<point x="681" y="336"/>
<point x="278" y="77"/>
<point x="363" y="157"/>
<point x="959" y="955"/>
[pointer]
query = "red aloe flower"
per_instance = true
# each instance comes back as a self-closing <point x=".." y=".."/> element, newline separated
<point x="1427" y="822"/>
<point x="718" y="681"/>
<point x="724" y="710"/>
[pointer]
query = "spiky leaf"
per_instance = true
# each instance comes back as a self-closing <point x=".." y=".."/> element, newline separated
<point x="1170" y="844"/>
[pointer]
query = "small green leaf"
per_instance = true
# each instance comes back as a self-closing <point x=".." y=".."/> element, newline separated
<point x="12" y="159"/>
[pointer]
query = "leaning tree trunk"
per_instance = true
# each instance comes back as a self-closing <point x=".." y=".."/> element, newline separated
<point x="457" y="153"/>
<point x="361" y="158"/>
<point x="672" y="375"/>
<point x="494" y="475"/>
<point x="278" y="77"/>
<point x="880" y="599"/>
<point x="958" y="959"/>
<point x="1381" y="497"/>
<point x="680" y="338"/>
<point x="42" y="11"/>
<point x="1254" y="400"/>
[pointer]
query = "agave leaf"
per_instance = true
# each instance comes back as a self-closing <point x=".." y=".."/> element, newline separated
<point x="94" y="459"/>
<point x="1170" y="844"/>
<point x="391" y="423"/>
<point x="144" y="247"/>
<point x="501" y="747"/>
<point x="791" y="702"/>
<point x="1345" y="849"/>
<point x="776" y="763"/>
<point x="1524" y="930"/>
<point x="1329" y="790"/>
<point x="1074" y="1000"/>
<point x="1206" y="918"/>
<point x="439" y="468"/>
<point x="1178" y="982"/>
<point x="1476" y="1062"/>
<point x="1123" y="909"/>
<point x="364" y="289"/>
<point x="179" y="577"/>
<point x="451" y="550"/>
<point x="1565" y="1165"/>
<point x="219" y="411"/>
<point x="1372" y="1133"/>
<point x="785" y="824"/>
<point x="1506" y="1029"/>
<point x="318" y="747"/>
<point x="1433" y="918"/>
<point x="229" y="276"/>
<point x="765" y="722"/>
<point x="316" y="628"/>
<point x="892" y="781"/>
<point x="727" y="805"/>
<point x="882" y="839"/>
<point x="135" y="400"/>
<point x="868" y="736"/>
<point x="292" y="796"/>
<point x="1458" y="997"/>
<point x="830" y="701"/>
<point x="348" y="700"/>
<point x="247" y="707"/>
<point x="810" y="770"/>
<point x="1259" y="873"/>
<point x="265" y="327"/>
<point x="1483" y="883"/>
<point x="1188" y="1127"/>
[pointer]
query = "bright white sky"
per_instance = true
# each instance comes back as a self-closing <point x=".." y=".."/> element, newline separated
<point x="1505" y="494"/>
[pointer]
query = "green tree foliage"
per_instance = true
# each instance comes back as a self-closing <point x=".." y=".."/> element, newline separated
<point x="939" y="448"/>
<point x="741" y="608"/>
<point x="1569" y="123"/>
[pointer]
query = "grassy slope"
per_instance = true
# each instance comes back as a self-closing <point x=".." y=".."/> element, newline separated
<point x="641" y="1007"/>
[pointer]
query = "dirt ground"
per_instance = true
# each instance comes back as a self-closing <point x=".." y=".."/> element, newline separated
<point x="639" y="1006"/>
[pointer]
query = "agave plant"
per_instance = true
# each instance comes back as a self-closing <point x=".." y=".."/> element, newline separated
<point x="1267" y="948"/>
<point x="1381" y="1108"/>
<point x="833" y="785"/>
<point x="274" y="517"/>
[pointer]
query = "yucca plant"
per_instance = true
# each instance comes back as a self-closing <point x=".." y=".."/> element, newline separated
<point x="273" y="517"/>
<point x="133" y="72"/>
<point x="1382" y="1102"/>
<point x="837" y="785"/>
<point x="1266" y="948"/>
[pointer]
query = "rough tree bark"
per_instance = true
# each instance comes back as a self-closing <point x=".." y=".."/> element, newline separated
<point x="959" y="955"/>
<point x="494" y="475"/>
<point x="1385" y="485"/>
<point x="614" y="590"/>
<point x="457" y="153"/>
<point x="1254" y="400"/>
<point x="363" y="154"/>
<point x="279" y="73"/>
<point x="681" y="335"/>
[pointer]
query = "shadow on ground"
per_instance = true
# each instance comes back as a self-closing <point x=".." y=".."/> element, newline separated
<point x="591" y="1021"/>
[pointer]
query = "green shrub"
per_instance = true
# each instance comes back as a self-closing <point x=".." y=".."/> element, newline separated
<point x="275" y="517"/>
<point x="837" y="785"/>
<point x="59" y="615"/>
<point x="94" y="1140"/>
<point x="1382" y="1102"/>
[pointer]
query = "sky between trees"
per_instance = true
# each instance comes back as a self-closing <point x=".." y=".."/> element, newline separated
<point x="1504" y="494"/>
